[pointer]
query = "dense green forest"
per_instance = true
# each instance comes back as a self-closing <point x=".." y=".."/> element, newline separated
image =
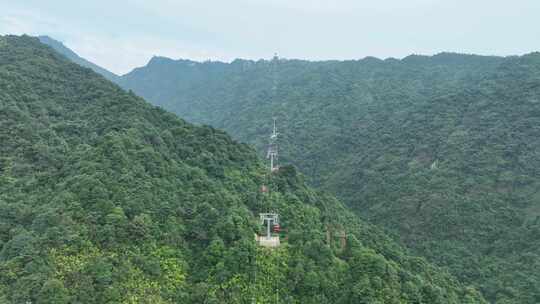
<point x="440" y="150"/>
<point x="105" y="198"/>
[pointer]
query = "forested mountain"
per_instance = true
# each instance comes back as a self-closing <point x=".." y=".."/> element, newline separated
<point x="107" y="199"/>
<point x="440" y="150"/>
<point x="62" y="49"/>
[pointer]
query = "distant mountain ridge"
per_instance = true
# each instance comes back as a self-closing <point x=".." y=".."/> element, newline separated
<point x="440" y="150"/>
<point x="62" y="49"/>
<point x="105" y="198"/>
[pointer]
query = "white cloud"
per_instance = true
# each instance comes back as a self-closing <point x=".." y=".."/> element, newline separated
<point x="119" y="54"/>
<point x="18" y="22"/>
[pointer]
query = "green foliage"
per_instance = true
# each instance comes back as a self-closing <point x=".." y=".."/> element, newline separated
<point x="441" y="150"/>
<point x="53" y="292"/>
<point x="106" y="199"/>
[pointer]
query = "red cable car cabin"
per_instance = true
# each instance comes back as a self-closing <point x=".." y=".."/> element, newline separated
<point x="276" y="228"/>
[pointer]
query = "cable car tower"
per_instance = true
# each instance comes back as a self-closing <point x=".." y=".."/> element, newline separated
<point x="272" y="153"/>
<point x="270" y="219"/>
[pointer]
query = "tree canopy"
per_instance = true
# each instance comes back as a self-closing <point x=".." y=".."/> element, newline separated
<point x="442" y="150"/>
<point x="107" y="199"/>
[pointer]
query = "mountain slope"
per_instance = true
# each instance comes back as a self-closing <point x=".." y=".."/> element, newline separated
<point x="106" y="199"/>
<point x="440" y="150"/>
<point x="62" y="49"/>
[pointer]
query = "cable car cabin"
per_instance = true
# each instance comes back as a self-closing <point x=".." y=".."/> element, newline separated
<point x="276" y="228"/>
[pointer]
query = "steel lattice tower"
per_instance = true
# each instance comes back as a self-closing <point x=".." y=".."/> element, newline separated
<point x="273" y="150"/>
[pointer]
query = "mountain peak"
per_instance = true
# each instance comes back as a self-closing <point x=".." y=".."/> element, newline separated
<point x="59" y="47"/>
<point x="159" y="59"/>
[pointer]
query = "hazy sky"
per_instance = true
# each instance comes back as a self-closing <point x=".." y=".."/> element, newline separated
<point x="120" y="35"/>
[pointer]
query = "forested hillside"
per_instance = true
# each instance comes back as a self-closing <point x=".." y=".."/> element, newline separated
<point x="440" y="150"/>
<point x="107" y="199"/>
